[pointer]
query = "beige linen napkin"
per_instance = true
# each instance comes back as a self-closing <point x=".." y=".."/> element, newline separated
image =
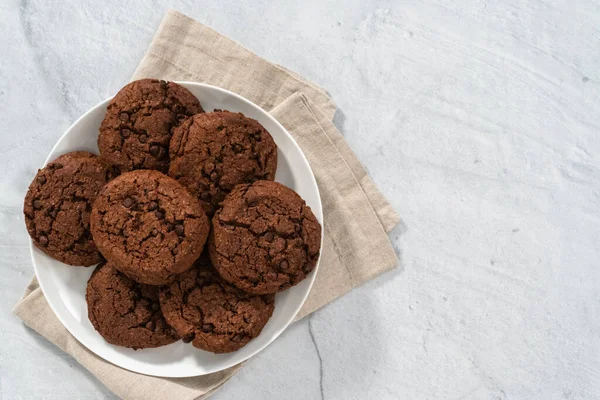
<point x="356" y="216"/>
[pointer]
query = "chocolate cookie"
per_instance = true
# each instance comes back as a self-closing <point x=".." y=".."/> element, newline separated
<point x="58" y="204"/>
<point x="136" y="129"/>
<point x="265" y="238"/>
<point x="212" y="152"/>
<point x="125" y="312"/>
<point x="149" y="226"/>
<point x="212" y="314"/>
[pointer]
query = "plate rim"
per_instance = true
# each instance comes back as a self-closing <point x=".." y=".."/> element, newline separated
<point x="318" y="214"/>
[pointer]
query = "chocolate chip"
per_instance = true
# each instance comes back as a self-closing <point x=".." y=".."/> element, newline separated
<point x="128" y="202"/>
<point x="37" y="204"/>
<point x="151" y="325"/>
<point x="188" y="338"/>
<point x="205" y="196"/>
<point x="111" y="173"/>
<point x="155" y="306"/>
<point x="200" y="281"/>
<point x="41" y="179"/>
<point x="43" y="240"/>
<point x="152" y="206"/>
<point x="237" y="148"/>
<point x="284" y="265"/>
<point x="181" y="117"/>
<point x="179" y="229"/>
<point x="159" y="214"/>
<point x="175" y="251"/>
<point x="143" y="138"/>
<point x="237" y="338"/>
<point x="124" y="117"/>
<point x="163" y="84"/>
<point x="155" y="150"/>
<point x="168" y="102"/>
<point x="53" y="214"/>
<point x="177" y="109"/>
<point x="125" y="133"/>
<point x="269" y="236"/>
<point x="154" y="232"/>
<point x="169" y="227"/>
<point x="214" y="177"/>
<point x="207" y="328"/>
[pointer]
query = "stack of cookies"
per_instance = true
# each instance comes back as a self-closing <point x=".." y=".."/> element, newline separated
<point x="191" y="235"/>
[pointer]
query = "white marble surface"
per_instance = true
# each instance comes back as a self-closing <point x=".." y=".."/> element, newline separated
<point x="479" y="121"/>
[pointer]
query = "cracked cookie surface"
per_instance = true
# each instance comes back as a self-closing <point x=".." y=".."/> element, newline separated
<point x="136" y="129"/>
<point x="264" y="238"/>
<point x="212" y="314"/>
<point x="212" y="152"/>
<point x="125" y="312"/>
<point x="149" y="226"/>
<point x="58" y="204"/>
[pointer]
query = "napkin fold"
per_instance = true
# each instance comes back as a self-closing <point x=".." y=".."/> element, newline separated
<point x="357" y="217"/>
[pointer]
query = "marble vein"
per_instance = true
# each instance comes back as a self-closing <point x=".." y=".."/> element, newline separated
<point x="312" y="338"/>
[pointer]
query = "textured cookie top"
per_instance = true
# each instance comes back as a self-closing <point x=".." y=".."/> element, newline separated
<point x="265" y="238"/>
<point x="212" y="314"/>
<point x="212" y="152"/>
<point x="149" y="226"/>
<point x="136" y="129"/>
<point x="124" y="312"/>
<point x="58" y="203"/>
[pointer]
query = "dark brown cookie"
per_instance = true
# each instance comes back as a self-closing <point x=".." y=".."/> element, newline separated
<point x="213" y="152"/>
<point x="125" y="312"/>
<point x="136" y="129"/>
<point x="149" y="226"/>
<point x="265" y="238"/>
<point x="212" y="314"/>
<point x="58" y="204"/>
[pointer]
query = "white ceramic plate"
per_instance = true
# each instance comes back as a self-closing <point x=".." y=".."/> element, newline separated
<point x="64" y="286"/>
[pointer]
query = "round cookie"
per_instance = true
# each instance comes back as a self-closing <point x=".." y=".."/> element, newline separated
<point x="212" y="152"/>
<point x="265" y="238"/>
<point x="136" y="129"/>
<point x="124" y="312"/>
<point x="212" y="314"/>
<point x="58" y="203"/>
<point x="149" y="226"/>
